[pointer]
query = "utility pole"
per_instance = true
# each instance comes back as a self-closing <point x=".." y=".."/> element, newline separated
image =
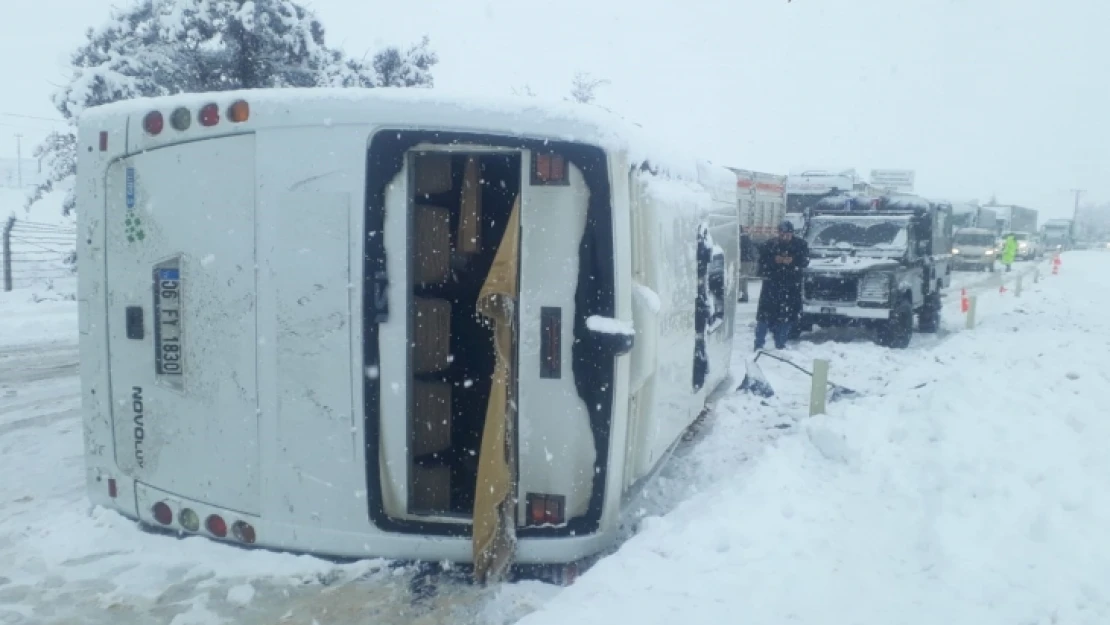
<point x="7" y="251"/>
<point x="18" y="160"/>
<point x="1075" y="212"/>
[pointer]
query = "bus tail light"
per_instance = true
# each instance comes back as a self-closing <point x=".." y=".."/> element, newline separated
<point x="181" y="118"/>
<point x="239" y="111"/>
<point x="546" y="509"/>
<point x="153" y="123"/>
<point x="162" y="513"/>
<point x="216" y="526"/>
<point x="549" y="168"/>
<point x="189" y="520"/>
<point x="243" y="532"/>
<point x="209" y="115"/>
<point x="113" y="491"/>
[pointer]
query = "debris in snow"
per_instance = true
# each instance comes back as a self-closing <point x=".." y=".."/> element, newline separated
<point x="608" y="325"/>
<point x="241" y="595"/>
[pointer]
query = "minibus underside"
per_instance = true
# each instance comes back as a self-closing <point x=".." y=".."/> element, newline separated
<point x="453" y="221"/>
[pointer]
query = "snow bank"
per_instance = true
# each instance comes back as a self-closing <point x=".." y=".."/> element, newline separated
<point x="970" y="486"/>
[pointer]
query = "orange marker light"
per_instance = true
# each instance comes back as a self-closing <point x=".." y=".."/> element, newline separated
<point x="239" y="111"/>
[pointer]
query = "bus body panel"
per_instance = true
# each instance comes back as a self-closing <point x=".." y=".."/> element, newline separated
<point x="393" y="372"/>
<point x="556" y="446"/>
<point x="666" y="401"/>
<point x="180" y="231"/>
<point x="309" y="344"/>
<point x="96" y="405"/>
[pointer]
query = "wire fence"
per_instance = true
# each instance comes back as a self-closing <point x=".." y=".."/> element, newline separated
<point x="37" y="254"/>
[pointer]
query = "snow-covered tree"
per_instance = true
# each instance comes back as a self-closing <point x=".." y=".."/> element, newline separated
<point x="584" y="87"/>
<point x="163" y="47"/>
<point x="523" y="90"/>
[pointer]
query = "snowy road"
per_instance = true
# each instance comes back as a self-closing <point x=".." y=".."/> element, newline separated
<point x="60" y="561"/>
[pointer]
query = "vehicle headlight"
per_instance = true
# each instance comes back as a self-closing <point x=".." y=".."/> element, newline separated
<point x="990" y="252"/>
<point x="1023" y="245"/>
<point x="875" y="287"/>
<point x="955" y="250"/>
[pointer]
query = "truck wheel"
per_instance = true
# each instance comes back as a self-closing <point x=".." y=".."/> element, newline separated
<point x="928" y="320"/>
<point x="897" y="330"/>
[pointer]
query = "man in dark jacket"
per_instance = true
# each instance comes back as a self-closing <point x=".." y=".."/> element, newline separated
<point x="781" y="262"/>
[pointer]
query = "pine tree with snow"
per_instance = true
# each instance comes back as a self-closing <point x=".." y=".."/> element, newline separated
<point x="163" y="47"/>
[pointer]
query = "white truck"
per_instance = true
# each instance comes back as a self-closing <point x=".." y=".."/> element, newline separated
<point x="804" y="188"/>
<point x="761" y="198"/>
<point x="1058" y="235"/>
<point x="971" y="215"/>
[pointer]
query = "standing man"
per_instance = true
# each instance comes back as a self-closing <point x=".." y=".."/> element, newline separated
<point x="1009" y="251"/>
<point x="781" y="262"/>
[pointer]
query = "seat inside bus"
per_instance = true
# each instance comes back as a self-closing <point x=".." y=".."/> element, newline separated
<point x="461" y="204"/>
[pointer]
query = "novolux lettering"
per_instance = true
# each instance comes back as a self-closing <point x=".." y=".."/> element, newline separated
<point x="139" y="418"/>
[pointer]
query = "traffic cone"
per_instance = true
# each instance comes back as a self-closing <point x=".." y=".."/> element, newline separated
<point x="964" y="303"/>
<point x="1056" y="265"/>
<point x="1001" y="287"/>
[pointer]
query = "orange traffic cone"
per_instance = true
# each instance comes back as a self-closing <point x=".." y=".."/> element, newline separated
<point x="965" y="305"/>
<point x="1056" y="265"/>
<point x="1002" y="288"/>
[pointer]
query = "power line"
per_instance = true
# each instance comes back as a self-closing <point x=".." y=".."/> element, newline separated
<point x="45" y="119"/>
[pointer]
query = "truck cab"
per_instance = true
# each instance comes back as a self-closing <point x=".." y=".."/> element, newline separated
<point x="877" y="263"/>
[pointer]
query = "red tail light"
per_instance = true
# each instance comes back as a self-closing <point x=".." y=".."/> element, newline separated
<point x="112" y="490"/>
<point x="216" y="526"/>
<point x="243" y="532"/>
<point x="153" y="123"/>
<point x="549" y="168"/>
<point x="209" y="115"/>
<point x="546" y="509"/>
<point x="162" y="513"/>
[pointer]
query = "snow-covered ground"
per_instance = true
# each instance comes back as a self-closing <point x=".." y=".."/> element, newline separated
<point x="970" y="484"/>
<point x="960" y="488"/>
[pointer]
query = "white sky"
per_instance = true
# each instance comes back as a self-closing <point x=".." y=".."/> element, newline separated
<point x="978" y="96"/>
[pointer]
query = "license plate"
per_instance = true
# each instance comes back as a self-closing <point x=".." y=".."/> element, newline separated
<point x="828" y="310"/>
<point x="167" y="321"/>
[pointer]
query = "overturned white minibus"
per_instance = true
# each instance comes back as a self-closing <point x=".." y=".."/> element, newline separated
<point x="392" y="323"/>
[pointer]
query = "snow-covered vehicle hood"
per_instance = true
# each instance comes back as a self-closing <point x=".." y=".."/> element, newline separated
<point x="849" y="264"/>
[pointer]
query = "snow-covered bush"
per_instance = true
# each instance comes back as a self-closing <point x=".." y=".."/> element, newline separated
<point x="162" y="47"/>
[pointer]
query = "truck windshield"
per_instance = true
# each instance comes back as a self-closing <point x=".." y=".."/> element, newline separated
<point x="984" y="240"/>
<point x="858" y="233"/>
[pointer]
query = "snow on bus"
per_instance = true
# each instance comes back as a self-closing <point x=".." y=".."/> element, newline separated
<point x="385" y="323"/>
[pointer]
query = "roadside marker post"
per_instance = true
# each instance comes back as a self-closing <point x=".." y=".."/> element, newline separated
<point x="820" y="387"/>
